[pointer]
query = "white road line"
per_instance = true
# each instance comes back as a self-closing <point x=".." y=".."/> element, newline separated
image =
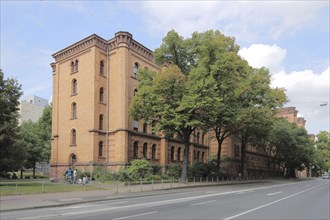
<point x="131" y="216"/>
<point x="276" y="201"/>
<point x="201" y="203"/>
<point x="274" y="193"/>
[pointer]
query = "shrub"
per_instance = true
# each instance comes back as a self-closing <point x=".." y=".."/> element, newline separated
<point x="139" y="169"/>
<point x="174" y="170"/>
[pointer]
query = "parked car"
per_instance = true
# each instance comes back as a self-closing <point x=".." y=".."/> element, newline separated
<point x="326" y="176"/>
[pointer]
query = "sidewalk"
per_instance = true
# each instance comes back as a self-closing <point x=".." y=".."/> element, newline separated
<point x="21" y="202"/>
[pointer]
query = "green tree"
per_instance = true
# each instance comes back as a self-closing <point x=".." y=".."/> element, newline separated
<point x="12" y="154"/>
<point x="321" y="160"/>
<point x="293" y="149"/>
<point x="35" y="137"/>
<point x="175" y="101"/>
<point x="257" y="107"/>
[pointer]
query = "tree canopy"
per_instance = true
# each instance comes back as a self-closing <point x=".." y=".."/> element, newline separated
<point x="10" y="148"/>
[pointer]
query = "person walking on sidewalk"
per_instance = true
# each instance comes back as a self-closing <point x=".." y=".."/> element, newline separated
<point x="75" y="175"/>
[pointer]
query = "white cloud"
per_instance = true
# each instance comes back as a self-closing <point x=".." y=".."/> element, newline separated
<point x="246" y="20"/>
<point x="259" y="55"/>
<point x="305" y="89"/>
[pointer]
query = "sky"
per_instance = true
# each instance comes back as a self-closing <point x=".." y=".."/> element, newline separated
<point x="291" y="38"/>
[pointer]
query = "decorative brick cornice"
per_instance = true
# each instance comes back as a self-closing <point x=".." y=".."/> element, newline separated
<point x="121" y="39"/>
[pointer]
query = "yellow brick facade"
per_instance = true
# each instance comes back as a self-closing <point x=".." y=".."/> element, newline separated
<point x="78" y="77"/>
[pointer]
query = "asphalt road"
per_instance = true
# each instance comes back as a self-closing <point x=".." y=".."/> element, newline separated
<point x="295" y="200"/>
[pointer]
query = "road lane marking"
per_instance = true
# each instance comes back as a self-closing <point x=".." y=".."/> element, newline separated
<point x="274" y="193"/>
<point x="201" y="203"/>
<point x="276" y="201"/>
<point x="131" y="216"/>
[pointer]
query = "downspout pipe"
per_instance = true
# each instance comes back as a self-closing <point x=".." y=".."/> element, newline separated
<point x="107" y="108"/>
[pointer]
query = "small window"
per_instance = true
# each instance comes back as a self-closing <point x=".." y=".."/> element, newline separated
<point x="100" y="149"/>
<point x="101" y="99"/>
<point x="135" y="91"/>
<point x="136" y="149"/>
<point x="101" y="122"/>
<point x="73" y="137"/>
<point x="172" y="153"/>
<point x="145" y="127"/>
<point x="74" y="87"/>
<point x="73" y="110"/>
<point x="153" y="152"/>
<point x="145" y="150"/>
<point x="101" y="67"/>
<point x="135" y="125"/>
<point x="136" y="68"/>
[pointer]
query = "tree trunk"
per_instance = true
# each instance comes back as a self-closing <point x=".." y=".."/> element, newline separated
<point x="185" y="162"/>
<point x="243" y="155"/>
<point x="219" y="155"/>
<point x="34" y="170"/>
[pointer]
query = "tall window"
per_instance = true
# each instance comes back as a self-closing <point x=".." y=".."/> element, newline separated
<point x="100" y="149"/>
<point x="73" y="110"/>
<point x="203" y="156"/>
<point x="101" y="122"/>
<point x="135" y="125"/>
<point x="76" y="66"/>
<point x="136" y="149"/>
<point x="179" y="154"/>
<point x="101" y="67"/>
<point x="101" y="94"/>
<point x="153" y="152"/>
<point x="198" y="155"/>
<point x="203" y="138"/>
<point x="136" y="68"/>
<point x="172" y="153"/>
<point x="145" y="127"/>
<point x="73" y="137"/>
<point x="74" y="87"/>
<point x="145" y="150"/>
<point x="198" y="134"/>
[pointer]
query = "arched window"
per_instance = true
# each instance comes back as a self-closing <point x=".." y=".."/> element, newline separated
<point x="101" y="67"/>
<point x="73" y="110"/>
<point x="198" y="155"/>
<point x="101" y="122"/>
<point x="179" y="154"/>
<point x="73" y="137"/>
<point x="74" y="87"/>
<point x="72" y="67"/>
<point x="145" y="127"/>
<point x="101" y="94"/>
<point x="136" y="68"/>
<point x="172" y="153"/>
<point x="136" y="149"/>
<point x="203" y="138"/>
<point x="198" y="134"/>
<point x="73" y="159"/>
<point x="76" y="66"/>
<point x="135" y="91"/>
<point x="153" y="152"/>
<point x="100" y="149"/>
<point x="203" y="156"/>
<point x="145" y="150"/>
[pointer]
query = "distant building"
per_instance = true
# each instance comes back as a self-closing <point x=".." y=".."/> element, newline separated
<point x="31" y="108"/>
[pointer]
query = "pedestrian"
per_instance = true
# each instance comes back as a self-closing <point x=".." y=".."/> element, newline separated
<point x="69" y="174"/>
<point x="75" y="175"/>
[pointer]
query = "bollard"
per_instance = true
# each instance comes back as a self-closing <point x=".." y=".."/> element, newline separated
<point x="152" y="185"/>
<point x="141" y="186"/>
<point x="212" y="179"/>
<point x="64" y="186"/>
<point x="16" y="189"/>
<point x="162" y="183"/>
<point x="179" y="182"/>
<point x="171" y="183"/>
<point x="194" y="180"/>
<point x="200" y="179"/>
